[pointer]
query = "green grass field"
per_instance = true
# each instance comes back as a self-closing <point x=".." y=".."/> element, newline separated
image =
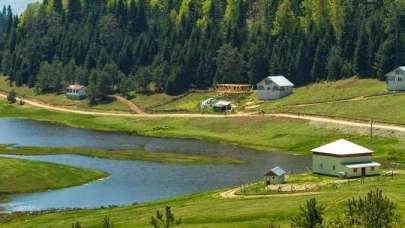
<point x="148" y="102"/>
<point x="62" y="100"/>
<point x="190" y="103"/>
<point x="328" y="91"/>
<point x="389" y="109"/>
<point x="208" y="210"/>
<point x="265" y="133"/>
<point x="175" y="158"/>
<point x="20" y="176"/>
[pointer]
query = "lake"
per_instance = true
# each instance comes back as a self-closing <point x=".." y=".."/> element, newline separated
<point x="134" y="181"/>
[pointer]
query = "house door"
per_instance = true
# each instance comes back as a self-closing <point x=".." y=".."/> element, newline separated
<point x="363" y="172"/>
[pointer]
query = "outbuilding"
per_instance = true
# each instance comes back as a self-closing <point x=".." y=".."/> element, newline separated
<point x="274" y="177"/>
<point x="223" y="106"/>
<point x="76" y="92"/>
<point x="396" y="79"/>
<point x="344" y="159"/>
<point x="274" y="87"/>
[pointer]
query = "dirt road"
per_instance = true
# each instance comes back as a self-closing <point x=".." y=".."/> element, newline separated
<point x="231" y="194"/>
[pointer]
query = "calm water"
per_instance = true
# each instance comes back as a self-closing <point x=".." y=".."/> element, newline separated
<point x="134" y="181"/>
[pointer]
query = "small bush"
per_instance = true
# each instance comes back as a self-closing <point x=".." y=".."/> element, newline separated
<point x="12" y="97"/>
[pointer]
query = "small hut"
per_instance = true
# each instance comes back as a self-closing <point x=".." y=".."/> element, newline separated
<point x="274" y="177"/>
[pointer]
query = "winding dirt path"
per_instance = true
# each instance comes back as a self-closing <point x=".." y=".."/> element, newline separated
<point x="319" y="119"/>
<point x="133" y="107"/>
<point x="231" y="194"/>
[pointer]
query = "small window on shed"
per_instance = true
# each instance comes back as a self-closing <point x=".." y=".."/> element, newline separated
<point x="372" y="168"/>
<point x="334" y="167"/>
<point x="355" y="170"/>
<point x="321" y="166"/>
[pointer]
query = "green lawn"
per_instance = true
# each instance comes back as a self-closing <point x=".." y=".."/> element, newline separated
<point x="265" y="133"/>
<point x="208" y="210"/>
<point x="148" y="102"/>
<point x="329" y="91"/>
<point x="20" y="176"/>
<point x="389" y="109"/>
<point x="190" y="103"/>
<point x="121" y="155"/>
<point x="61" y="100"/>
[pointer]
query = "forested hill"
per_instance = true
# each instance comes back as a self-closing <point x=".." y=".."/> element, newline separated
<point x="125" y="45"/>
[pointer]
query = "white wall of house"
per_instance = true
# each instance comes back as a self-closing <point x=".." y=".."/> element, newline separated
<point x="268" y="90"/>
<point x="330" y="165"/>
<point x="396" y="80"/>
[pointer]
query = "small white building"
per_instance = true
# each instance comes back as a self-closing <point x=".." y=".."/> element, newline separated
<point x="274" y="87"/>
<point x="76" y="91"/>
<point x="396" y="79"/>
<point x="345" y="159"/>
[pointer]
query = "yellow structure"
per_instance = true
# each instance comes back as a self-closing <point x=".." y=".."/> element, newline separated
<point x="233" y="89"/>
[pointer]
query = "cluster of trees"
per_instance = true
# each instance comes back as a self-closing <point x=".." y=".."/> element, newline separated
<point x="177" y="45"/>
<point x="372" y="211"/>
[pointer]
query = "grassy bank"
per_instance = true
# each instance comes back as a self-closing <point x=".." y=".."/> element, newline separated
<point x="269" y="134"/>
<point x="389" y="109"/>
<point x="120" y="155"/>
<point x="20" y="176"/>
<point x="208" y="210"/>
<point x="328" y="91"/>
<point x="110" y="104"/>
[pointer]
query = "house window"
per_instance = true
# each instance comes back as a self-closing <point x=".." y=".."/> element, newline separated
<point x="321" y="166"/>
<point x="355" y="170"/>
<point x="334" y="167"/>
<point x="400" y="79"/>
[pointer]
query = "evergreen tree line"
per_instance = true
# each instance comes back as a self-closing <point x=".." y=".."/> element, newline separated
<point x="126" y="45"/>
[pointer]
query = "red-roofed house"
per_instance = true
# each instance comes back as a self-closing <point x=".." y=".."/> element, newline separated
<point x="76" y="92"/>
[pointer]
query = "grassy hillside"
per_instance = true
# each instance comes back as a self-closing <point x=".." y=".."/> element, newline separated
<point x="207" y="210"/>
<point x="18" y="176"/>
<point x="329" y="91"/>
<point x="389" y="109"/>
<point x="61" y="100"/>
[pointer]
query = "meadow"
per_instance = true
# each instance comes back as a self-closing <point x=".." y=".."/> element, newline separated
<point x="160" y="157"/>
<point x="21" y="176"/>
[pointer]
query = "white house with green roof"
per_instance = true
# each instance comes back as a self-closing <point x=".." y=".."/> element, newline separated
<point x="344" y="159"/>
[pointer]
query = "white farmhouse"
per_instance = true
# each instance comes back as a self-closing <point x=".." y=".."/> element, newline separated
<point x="274" y="87"/>
<point x="345" y="159"/>
<point x="76" y="92"/>
<point x="396" y="79"/>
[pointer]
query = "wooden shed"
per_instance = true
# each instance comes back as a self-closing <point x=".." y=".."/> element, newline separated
<point x="274" y="177"/>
